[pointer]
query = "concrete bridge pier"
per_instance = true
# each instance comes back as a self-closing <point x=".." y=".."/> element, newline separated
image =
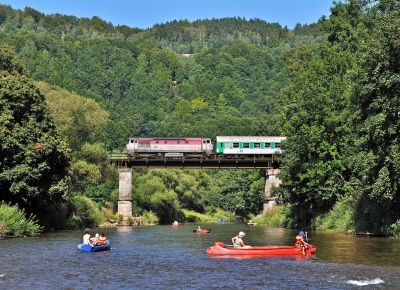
<point x="270" y="181"/>
<point x="125" y="193"/>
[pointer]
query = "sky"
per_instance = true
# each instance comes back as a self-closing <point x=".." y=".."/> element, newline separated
<point x="146" y="13"/>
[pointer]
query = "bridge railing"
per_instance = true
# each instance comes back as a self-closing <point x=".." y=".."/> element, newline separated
<point x="117" y="156"/>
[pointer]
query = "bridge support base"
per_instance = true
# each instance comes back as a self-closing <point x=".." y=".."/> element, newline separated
<point x="125" y="193"/>
<point x="270" y="181"/>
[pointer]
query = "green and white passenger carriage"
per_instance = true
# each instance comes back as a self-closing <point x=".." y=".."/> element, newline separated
<point x="242" y="146"/>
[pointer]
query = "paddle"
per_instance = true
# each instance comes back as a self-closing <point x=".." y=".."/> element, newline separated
<point x="306" y="247"/>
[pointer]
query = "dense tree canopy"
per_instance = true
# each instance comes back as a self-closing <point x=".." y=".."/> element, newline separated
<point x="375" y="97"/>
<point x="342" y="120"/>
<point x="34" y="158"/>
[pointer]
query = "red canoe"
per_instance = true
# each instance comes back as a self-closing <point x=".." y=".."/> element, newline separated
<point x="220" y="248"/>
<point x="202" y="231"/>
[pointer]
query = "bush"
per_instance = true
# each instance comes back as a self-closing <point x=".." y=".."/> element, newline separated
<point x="14" y="223"/>
<point x="339" y="219"/>
<point x="191" y="216"/>
<point x="149" y="217"/>
<point x="75" y="222"/>
<point x="120" y="218"/>
<point x="114" y="199"/>
<point x="276" y="217"/>
<point x="394" y="229"/>
<point x="88" y="211"/>
<point x="107" y="211"/>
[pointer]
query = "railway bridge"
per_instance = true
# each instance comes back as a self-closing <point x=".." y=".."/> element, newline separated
<point x="125" y="166"/>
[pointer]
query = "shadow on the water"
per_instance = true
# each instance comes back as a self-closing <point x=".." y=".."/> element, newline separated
<point x="297" y="258"/>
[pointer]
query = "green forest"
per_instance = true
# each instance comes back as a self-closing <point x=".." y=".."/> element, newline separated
<point x="72" y="90"/>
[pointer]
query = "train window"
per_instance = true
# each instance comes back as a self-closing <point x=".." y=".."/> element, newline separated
<point x="186" y="142"/>
<point x="156" y="142"/>
<point x="235" y="145"/>
<point x="256" y="145"/>
<point x="267" y="145"/>
<point x="246" y="145"/>
<point x="165" y="142"/>
<point x="277" y="145"/>
<point x="178" y="142"/>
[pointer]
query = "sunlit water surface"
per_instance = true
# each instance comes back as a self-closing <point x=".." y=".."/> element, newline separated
<point x="162" y="257"/>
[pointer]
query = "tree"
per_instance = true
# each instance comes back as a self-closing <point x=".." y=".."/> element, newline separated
<point x="34" y="159"/>
<point x="240" y="192"/>
<point x="376" y="100"/>
<point x="315" y="171"/>
<point x="153" y="195"/>
<point x="79" y="120"/>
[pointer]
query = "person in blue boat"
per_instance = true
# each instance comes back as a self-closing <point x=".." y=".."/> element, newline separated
<point x="95" y="239"/>
<point x="86" y="237"/>
<point x="199" y="229"/>
<point x="238" y="241"/>
<point x="301" y="243"/>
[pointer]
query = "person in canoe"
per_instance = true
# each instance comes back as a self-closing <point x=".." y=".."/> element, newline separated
<point x="86" y="237"/>
<point x="175" y="223"/>
<point x="101" y="240"/>
<point x="301" y="243"/>
<point x="238" y="241"/>
<point x="199" y="229"/>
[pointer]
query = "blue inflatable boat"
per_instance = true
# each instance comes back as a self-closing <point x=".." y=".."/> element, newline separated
<point x="97" y="248"/>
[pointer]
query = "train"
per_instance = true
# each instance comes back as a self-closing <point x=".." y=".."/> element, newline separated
<point x="202" y="147"/>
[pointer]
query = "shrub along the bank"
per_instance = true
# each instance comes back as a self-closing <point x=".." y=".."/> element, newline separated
<point x="13" y="222"/>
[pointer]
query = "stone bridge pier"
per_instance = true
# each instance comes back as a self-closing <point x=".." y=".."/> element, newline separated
<point x="125" y="192"/>
<point x="270" y="181"/>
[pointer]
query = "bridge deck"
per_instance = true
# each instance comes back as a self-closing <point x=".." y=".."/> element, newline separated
<point x="120" y="161"/>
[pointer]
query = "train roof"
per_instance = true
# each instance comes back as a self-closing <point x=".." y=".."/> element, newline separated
<point x="250" y="138"/>
<point x="168" y="138"/>
<point x="220" y="138"/>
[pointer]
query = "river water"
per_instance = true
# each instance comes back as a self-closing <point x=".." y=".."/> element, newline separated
<point x="162" y="257"/>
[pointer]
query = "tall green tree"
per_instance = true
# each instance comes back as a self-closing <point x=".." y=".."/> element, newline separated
<point x="375" y="95"/>
<point x="34" y="159"/>
<point x="342" y="120"/>
<point x="315" y="171"/>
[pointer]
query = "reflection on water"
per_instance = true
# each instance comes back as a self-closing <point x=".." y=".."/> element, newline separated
<point x="162" y="257"/>
<point x="297" y="258"/>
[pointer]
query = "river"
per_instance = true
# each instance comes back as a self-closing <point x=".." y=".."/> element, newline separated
<point x="162" y="257"/>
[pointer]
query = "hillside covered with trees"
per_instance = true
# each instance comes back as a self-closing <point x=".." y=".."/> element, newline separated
<point x="331" y="87"/>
